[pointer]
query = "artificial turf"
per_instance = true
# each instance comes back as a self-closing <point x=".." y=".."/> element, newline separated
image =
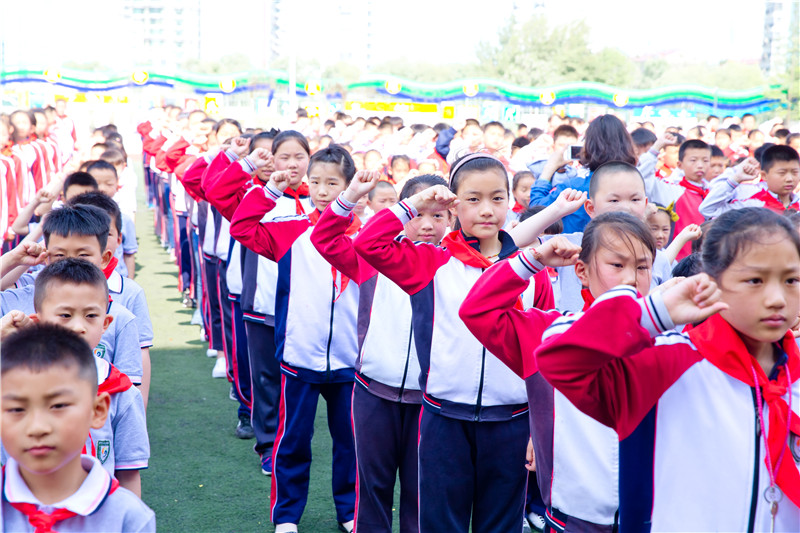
<point x="201" y="477"/>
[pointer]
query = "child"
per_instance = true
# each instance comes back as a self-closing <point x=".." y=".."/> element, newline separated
<point x="780" y="174"/>
<point x="108" y="184"/>
<point x="614" y="186"/>
<point x="579" y="489"/>
<point x="643" y="140"/>
<point x="693" y="159"/>
<point x="50" y="402"/>
<point x="381" y="197"/>
<point x="82" y="232"/>
<point x="124" y="291"/>
<point x="741" y="356"/>
<point x="719" y="162"/>
<point x="521" y="191"/>
<point x="669" y="158"/>
<point x="662" y="221"/>
<point x="472" y="435"/>
<point x="78" y="183"/>
<point x="399" y="167"/>
<point x="386" y="399"/>
<point x="316" y="340"/>
<point x="72" y="293"/>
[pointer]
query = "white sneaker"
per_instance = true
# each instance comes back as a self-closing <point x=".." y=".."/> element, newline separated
<point x="211" y="353"/>
<point x="536" y="521"/>
<point x="285" y="528"/>
<point x="220" y="371"/>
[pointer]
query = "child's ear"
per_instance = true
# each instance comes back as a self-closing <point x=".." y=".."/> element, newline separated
<point x="100" y="410"/>
<point x="589" y="206"/>
<point x="581" y="272"/>
<point x="34" y="318"/>
<point x="762" y="174"/>
<point x="107" y="322"/>
<point x="680" y="164"/>
<point x="106" y="259"/>
<point x="453" y="214"/>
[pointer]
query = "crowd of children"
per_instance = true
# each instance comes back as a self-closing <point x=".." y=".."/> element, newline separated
<point x="585" y="327"/>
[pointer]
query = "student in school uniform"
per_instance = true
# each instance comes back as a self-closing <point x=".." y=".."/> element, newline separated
<point x="709" y="415"/>
<point x="315" y="309"/>
<point x="39" y="489"/>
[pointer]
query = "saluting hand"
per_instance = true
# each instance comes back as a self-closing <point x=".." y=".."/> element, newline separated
<point x="433" y="199"/>
<point x="362" y="183"/>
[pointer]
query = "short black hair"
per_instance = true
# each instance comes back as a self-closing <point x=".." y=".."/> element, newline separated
<point x="643" y="137"/>
<point x="692" y="144"/>
<point x="778" y="153"/>
<point x="84" y="179"/>
<point x="758" y="153"/>
<point x="400" y="157"/>
<point x="383" y="184"/>
<point x="101" y="165"/>
<point x="70" y="270"/>
<point x="493" y="124"/>
<point x="716" y="151"/>
<point x="336" y="155"/>
<point x="80" y="220"/>
<point x="565" y="130"/>
<point x="688" y="266"/>
<point x="104" y="202"/>
<point x="420" y="183"/>
<point x="607" y="169"/>
<point x="555" y="228"/>
<point x="44" y="346"/>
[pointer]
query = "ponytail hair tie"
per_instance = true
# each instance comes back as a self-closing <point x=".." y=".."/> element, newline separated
<point x="670" y="210"/>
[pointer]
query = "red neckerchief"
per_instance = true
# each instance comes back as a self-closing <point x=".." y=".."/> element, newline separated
<point x="354" y="226"/>
<point x="6" y="150"/>
<point x="686" y="184"/>
<point x="718" y="342"/>
<point x="588" y="299"/>
<point x="458" y="246"/>
<point x="302" y="191"/>
<point x="518" y="207"/>
<point x="43" y="522"/>
<point x="112" y="265"/>
<point x="115" y="382"/>
<point x="770" y="202"/>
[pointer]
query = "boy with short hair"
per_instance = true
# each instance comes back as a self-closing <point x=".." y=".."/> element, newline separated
<point x="382" y="196"/>
<point x="47" y="482"/>
<point x="780" y="175"/>
<point x="719" y="162"/>
<point x="670" y="158"/>
<point x="78" y="183"/>
<point x="108" y="184"/>
<point x="82" y="232"/>
<point x="694" y="158"/>
<point x="73" y="293"/>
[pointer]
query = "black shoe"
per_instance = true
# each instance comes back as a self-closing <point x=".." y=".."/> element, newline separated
<point x="244" y="430"/>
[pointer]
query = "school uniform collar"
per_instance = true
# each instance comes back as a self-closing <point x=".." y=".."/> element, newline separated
<point x="507" y="245"/>
<point x="87" y="499"/>
<point x="115" y="282"/>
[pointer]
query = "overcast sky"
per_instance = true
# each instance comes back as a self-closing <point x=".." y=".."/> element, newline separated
<point x="444" y="30"/>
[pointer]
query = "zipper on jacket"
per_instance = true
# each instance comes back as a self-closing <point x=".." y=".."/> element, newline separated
<point x="408" y="356"/>
<point x="480" y="387"/>
<point x="756" y="468"/>
<point x="330" y="333"/>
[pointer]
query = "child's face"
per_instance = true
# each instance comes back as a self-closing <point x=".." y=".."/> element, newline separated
<point x="85" y="247"/>
<point x="291" y="156"/>
<point x="671" y="156"/>
<point x="400" y="170"/>
<point x="615" y="262"/>
<point x="562" y="141"/>
<point x="325" y="183"/>
<point x="107" y="181"/>
<point x="358" y="159"/>
<point x="722" y="140"/>
<point x="75" y="190"/>
<point x="695" y="163"/>
<point x="80" y="308"/>
<point x="782" y="177"/>
<point x="660" y="227"/>
<point x="428" y="227"/>
<point x="360" y="207"/>
<point x="717" y="166"/>
<point x="46" y="417"/>
<point x="114" y="238"/>
<point x="483" y="197"/>
<point x="762" y="290"/>
<point x="383" y="198"/>
<point x="493" y="138"/>
<point x="522" y="192"/>
<point x="426" y="167"/>
<point x="472" y="135"/>
<point x="623" y="191"/>
<point x="373" y="161"/>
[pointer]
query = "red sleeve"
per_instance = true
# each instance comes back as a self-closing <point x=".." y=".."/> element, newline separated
<point x="174" y="154"/>
<point x="271" y="239"/>
<point x="151" y="145"/>
<point x="543" y="297"/>
<point x="183" y="165"/>
<point x="144" y="128"/>
<point x="509" y="333"/>
<point x="192" y="178"/>
<point x="225" y="188"/>
<point x="161" y="160"/>
<point x="410" y="266"/>
<point x="20" y="175"/>
<point x="337" y="248"/>
<point x="607" y="365"/>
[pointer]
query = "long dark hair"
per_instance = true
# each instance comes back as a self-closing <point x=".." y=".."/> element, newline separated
<point x="607" y="140"/>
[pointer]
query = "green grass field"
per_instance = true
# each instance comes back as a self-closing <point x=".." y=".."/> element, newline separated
<point x="202" y="478"/>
